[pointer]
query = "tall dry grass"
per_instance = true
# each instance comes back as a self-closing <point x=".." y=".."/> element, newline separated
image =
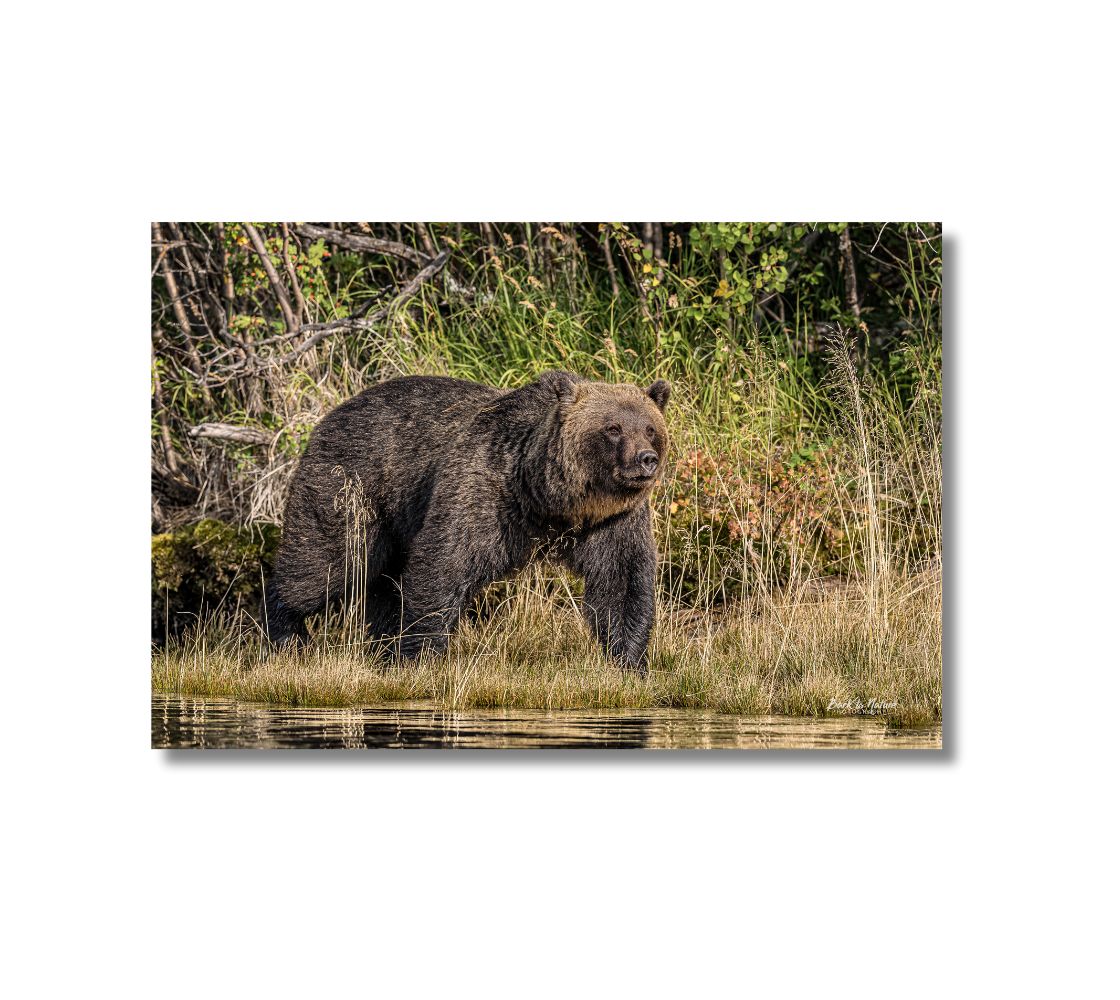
<point x="806" y="653"/>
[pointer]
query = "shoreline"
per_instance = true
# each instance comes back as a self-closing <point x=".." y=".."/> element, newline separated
<point x="831" y="656"/>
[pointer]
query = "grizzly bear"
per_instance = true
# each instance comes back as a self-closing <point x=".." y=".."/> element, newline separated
<point x="462" y="484"/>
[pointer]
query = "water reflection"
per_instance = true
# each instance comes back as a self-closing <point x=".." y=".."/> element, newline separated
<point x="195" y="722"/>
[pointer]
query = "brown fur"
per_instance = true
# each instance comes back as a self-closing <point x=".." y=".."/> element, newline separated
<point x="595" y="405"/>
<point x="466" y="484"/>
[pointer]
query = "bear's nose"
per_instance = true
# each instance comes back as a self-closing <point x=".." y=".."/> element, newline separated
<point x="648" y="462"/>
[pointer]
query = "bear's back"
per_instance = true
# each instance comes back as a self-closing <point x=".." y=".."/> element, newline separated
<point x="393" y="434"/>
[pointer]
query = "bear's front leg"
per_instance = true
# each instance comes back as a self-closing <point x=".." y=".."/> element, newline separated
<point x="447" y="566"/>
<point x="618" y="563"/>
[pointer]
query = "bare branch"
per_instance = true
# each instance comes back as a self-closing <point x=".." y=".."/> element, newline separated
<point x="273" y="278"/>
<point x="425" y="238"/>
<point x="362" y="244"/>
<point x="320" y="331"/>
<point x="231" y="432"/>
<point x="177" y="308"/>
<point x="301" y="306"/>
<point x="161" y="415"/>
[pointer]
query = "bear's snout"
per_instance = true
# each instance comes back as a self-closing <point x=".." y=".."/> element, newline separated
<point x="647" y="462"/>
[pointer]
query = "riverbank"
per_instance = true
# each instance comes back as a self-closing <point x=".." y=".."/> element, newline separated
<point x="846" y="651"/>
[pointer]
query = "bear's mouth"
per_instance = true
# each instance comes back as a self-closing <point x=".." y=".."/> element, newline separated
<point x="637" y="481"/>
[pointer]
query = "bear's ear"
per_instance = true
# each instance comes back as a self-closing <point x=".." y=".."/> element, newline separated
<point x="562" y="384"/>
<point x="659" y="393"/>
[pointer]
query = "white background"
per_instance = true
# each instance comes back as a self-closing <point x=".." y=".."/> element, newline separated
<point x="986" y="870"/>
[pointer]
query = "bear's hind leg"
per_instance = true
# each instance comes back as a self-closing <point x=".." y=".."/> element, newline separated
<point x="383" y="610"/>
<point x="447" y="567"/>
<point x="286" y="624"/>
<point x="302" y="585"/>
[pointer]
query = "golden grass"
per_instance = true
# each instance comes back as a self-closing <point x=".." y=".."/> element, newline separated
<point x="798" y="653"/>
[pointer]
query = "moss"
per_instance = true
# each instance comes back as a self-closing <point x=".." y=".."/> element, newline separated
<point x="208" y="567"/>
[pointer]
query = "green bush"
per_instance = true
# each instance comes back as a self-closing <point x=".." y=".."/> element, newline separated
<point x="208" y="567"/>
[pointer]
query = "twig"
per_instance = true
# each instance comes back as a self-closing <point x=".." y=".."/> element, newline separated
<point x="877" y="238"/>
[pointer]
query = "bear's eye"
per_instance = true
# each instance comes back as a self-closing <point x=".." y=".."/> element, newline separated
<point x="649" y="432"/>
<point x="614" y="431"/>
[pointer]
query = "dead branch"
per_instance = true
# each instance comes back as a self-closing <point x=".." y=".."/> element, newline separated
<point x="425" y="238"/>
<point x="227" y="275"/>
<point x="362" y="244"/>
<point x="161" y="416"/>
<point x="290" y="320"/>
<point x="301" y="306"/>
<point x="177" y="307"/>
<point x="231" y="432"/>
<point x="320" y="331"/>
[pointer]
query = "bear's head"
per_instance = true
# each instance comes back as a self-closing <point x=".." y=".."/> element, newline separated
<point x="614" y="442"/>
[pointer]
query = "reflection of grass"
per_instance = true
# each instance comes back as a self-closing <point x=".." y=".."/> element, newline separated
<point x="792" y="654"/>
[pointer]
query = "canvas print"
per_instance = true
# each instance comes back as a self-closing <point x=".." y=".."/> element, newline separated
<point x="513" y="485"/>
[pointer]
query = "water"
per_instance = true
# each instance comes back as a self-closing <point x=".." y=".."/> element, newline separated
<point x="197" y="722"/>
